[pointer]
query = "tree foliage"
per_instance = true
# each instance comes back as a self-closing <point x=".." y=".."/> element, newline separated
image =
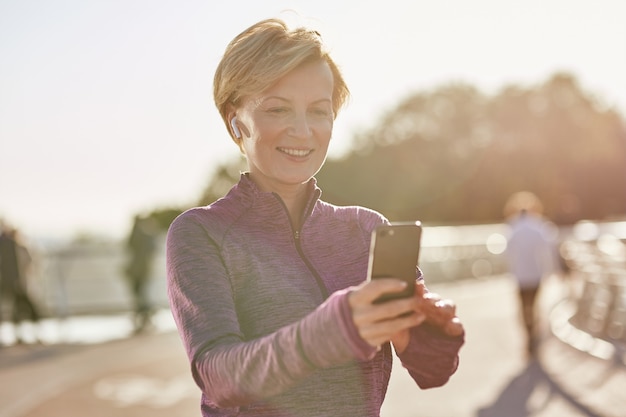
<point x="224" y="178"/>
<point x="454" y="155"/>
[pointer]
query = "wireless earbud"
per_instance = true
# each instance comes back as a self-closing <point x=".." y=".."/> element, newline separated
<point x="233" y="124"/>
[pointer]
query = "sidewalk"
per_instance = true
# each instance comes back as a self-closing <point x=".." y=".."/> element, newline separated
<point x="495" y="380"/>
<point x="148" y="375"/>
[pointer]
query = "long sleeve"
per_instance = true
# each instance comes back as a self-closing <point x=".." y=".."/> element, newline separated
<point x="233" y="371"/>
<point x="431" y="357"/>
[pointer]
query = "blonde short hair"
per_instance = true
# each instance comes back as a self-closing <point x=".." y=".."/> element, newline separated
<point x="262" y="54"/>
<point x="523" y="201"/>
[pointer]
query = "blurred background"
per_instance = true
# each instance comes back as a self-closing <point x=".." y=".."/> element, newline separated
<point x="108" y="131"/>
<point x="106" y="107"/>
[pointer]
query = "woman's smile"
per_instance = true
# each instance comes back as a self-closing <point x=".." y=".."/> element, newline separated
<point x="300" y="153"/>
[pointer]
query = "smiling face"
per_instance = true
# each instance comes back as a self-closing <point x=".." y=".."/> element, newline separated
<point x="286" y="129"/>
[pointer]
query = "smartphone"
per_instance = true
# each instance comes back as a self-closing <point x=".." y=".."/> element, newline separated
<point x="394" y="252"/>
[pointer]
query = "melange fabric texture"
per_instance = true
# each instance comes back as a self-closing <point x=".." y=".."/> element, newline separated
<point x="263" y="312"/>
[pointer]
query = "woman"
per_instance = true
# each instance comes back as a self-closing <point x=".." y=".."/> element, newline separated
<point x="267" y="284"/>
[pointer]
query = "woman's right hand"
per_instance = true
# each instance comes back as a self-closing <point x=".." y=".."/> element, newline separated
<point x="379" y="323"/>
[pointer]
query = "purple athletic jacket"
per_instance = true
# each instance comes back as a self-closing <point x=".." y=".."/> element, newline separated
<point x="263" y="313"/>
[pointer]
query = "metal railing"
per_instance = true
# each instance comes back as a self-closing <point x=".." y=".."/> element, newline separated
<point x="600" y="301"/>
<point x="87" y="277"/>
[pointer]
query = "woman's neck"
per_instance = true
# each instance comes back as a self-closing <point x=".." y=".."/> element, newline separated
<point x="295" y="200"/>
<point x="294" y="196"/>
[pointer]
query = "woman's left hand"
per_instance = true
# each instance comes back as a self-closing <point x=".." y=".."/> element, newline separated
<point x="439" y="312"/>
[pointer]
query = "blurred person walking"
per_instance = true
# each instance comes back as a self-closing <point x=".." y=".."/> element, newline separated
<point x="15" y="264"/>
<point x="141" y="246"/>
<point x="530" y="253"/>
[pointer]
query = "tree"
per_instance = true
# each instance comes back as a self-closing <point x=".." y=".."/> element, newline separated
<point x="455" y="155"/>
<point x="222" y="180"/>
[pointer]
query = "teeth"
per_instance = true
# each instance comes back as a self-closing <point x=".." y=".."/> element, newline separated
<point x="295" y="152"/>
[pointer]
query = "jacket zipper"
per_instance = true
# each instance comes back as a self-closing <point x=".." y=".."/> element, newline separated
<point x="318" y="278"/>
<point x="297" y="241"/>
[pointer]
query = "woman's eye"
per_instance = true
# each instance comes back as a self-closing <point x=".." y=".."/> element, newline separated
<point x="321" y="112"/>
<point x="278" y="110"/>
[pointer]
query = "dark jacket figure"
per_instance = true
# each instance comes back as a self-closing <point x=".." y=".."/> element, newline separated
<point x="141" y="247"/>
<point x="14" y="262"/>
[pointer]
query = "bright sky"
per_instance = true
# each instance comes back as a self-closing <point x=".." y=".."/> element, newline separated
<point x="106" y="107"/>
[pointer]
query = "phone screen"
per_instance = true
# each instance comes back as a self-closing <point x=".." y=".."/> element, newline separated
<point x="394" y="252"/>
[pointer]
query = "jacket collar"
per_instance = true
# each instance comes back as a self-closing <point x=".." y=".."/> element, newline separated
<point x="254" y="195"/>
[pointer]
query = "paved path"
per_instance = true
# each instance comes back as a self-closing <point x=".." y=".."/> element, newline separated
<point x="494" y="378"/>
<point x="148" y="375"/>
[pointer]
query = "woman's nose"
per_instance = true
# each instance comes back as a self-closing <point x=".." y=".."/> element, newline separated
<point x="300" y="126"/>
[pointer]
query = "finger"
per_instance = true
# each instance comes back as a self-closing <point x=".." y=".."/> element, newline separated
<point x="436" y="305"/>
<point x="377" y="323"/>
<point x="371" y="290"/>
<point x="420" y="288"/>
<point x="454" y="327"/>
<point x="438" y="312"/>
<point x="377" y="333"/>
<point x="447" y="308"/>
<point x="432" y="296"/>
<point x="380" y="312"/>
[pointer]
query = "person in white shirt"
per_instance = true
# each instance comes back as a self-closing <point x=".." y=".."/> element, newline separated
<point x="530" y="254"/>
